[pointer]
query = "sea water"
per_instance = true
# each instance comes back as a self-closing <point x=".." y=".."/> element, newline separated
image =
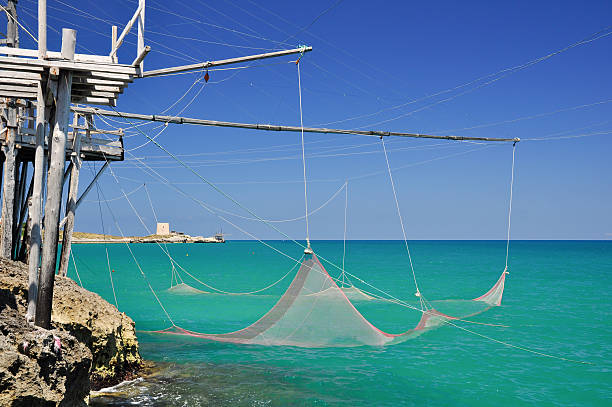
<point x="557" y="302"/>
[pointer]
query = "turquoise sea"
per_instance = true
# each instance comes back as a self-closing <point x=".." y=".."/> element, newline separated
<point x="557" y="301"/>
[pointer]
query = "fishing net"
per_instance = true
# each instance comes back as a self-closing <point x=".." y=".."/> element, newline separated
<point x="315" y="312"/>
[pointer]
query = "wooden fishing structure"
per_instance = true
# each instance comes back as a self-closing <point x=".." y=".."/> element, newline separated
<point x="39" y="91"/>
<point x="37" y="88"/>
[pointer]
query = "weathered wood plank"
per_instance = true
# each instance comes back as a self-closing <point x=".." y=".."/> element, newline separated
<point x="22" y="82"/>
<point x="4" y="73"/>
<point x="91" y="147"/>
<point x="207" y="64"/>
<point x="53" y="203"/>
<point x="17" y="88"/>
<point x="35" y="203"/>
<point x="73" y="188"/>
<point x="69" y="65"/>
<point x="25" y="52"/>
<point x="86" y="80"/>
<point x="13" y="67"/>
<point x="21" y="94"/>
<point x="94" y="101"/>
<point x="8" y="183"/>
<point x="105" y="75"/>
<point x="98" y="88"/>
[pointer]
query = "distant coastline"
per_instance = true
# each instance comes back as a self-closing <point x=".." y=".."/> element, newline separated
<point x="85" y="238"/>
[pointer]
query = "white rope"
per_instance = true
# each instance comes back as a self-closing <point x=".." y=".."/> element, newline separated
<point x="335" y="194"/>
<point x="76" y="270"/>
<point x="172" y="261"/>
<point x="344" y="239"/>
<point x="118" y="197"/>
<point x="510" y="207"/>
<point x="110" y="274"/>
<point x="399" y="214"/>
<point x="165" y="181"/>
<point x="135" y="260"/>
<point x="303" y="154"/>
<point x="173" y="117"/>
<point x="8" y="14"/>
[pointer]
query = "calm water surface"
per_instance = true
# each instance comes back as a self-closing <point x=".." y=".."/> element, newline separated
<point x="557" y="301"/>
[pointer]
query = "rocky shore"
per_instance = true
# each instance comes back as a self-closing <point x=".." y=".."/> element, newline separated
<point x="91" y="345"/>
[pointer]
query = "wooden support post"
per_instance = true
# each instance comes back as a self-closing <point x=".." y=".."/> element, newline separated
<point x="73" y="190"/>
<point x="114" y="43"/>
<point x="8" y="181"/>
<point x="140" y="52"/>
<point x="35" y="204"/>
<point x="21" y="245"/>
<point x="20" y="191"/>
<point x="12" y="34"/>
<point x="42" y="29"/>
<point x="54" y="189"/>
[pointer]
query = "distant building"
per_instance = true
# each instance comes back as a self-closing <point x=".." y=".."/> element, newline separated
<point x="163" y="229"/>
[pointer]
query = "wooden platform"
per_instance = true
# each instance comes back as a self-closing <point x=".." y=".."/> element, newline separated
<point x="96" y="79"/>
<point x="92" y="149"/>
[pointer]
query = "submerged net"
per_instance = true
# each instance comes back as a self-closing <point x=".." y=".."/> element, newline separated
<point x="315" y="312"/>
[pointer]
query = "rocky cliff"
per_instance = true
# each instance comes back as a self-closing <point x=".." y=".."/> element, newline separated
<point x="93" y="335"/>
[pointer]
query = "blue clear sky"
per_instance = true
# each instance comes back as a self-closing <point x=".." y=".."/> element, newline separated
<point x="373" y="66"/>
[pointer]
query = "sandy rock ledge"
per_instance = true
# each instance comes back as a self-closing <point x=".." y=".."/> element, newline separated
<point x="98" y="345"/>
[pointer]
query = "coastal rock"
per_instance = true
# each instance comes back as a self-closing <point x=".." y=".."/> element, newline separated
<point x="107" y="333"/>
<point x="40" y="367"/>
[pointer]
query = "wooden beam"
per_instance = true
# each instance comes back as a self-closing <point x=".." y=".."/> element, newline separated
<point x="114" y="43"/>
<point x="91" y="184"/>
<point x="94" y="101"/>
<point x="8" y="183"/>
<point x="35" y="202"/>
<point x="126" y="29"/>
<point x="24" y="63"/>
<point x="83" y="80"/>
<point x="54" y="195"/>
<point x="98" y="88"/>
<point x="20" y="68"/>
<point x="25" y="52"/>
<point x="18" y="88"/>
<point x="20" y="75"/>
<point x="20" y="207"/>
<point x="73" y="188"/>
<point x="42" y="29"/>
<point x="270" y="127"/>
<point x="20" y="253"/>
<point x="23" y="94"/>
<point x="209" y="64"/>
<point x="52" y="206"/>
<point x="91" y="147"/>
<point x="18" y="82"/>
<point x="141" y="50"/>
<point x="138" y="61"/>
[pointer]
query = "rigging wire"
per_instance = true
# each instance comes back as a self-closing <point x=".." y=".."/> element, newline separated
<point x="303" y="155"/>
<point x="344" y="239"/>
<point x="399" y="214"/>
<point x="118" y="197"/>
<point x="76" y="270"/>
<point x="181" y="267"/>
<point x="110" y="274"/>
<point x="8" y="14"/>
<point x="335" y="194"/>
<point x="496" y="76"/>
<point x="172" y="261"/>
<point x="403" y="303"/>
<point x="195" y="20"/>
<point x="535" y="116"/>
<point x="134" y="257"/>
<point x="510" y="207"/>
